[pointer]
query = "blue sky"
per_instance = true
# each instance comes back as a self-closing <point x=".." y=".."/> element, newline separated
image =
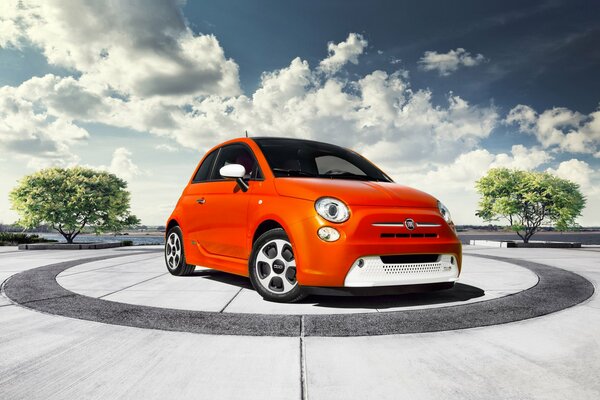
<point x="434" y="92"/>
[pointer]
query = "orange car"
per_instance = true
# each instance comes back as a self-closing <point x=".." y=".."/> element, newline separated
<point x="301" y="217"/>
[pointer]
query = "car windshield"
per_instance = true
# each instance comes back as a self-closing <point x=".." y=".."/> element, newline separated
<point x="304" y="158"/>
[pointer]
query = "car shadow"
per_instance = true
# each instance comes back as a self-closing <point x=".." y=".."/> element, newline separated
<point x="223" y="277"/>
<point x="459" y="293"/>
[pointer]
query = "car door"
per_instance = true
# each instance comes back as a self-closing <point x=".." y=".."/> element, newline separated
<point x="225" y="207"/>
<point x="194" y="213"/>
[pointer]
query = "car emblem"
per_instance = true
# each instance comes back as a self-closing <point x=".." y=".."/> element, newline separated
<point x="410" y="224"/>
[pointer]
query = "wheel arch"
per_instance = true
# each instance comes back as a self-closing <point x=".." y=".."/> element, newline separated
<point x="172" y="222"/>
<point x="265" y="226"/>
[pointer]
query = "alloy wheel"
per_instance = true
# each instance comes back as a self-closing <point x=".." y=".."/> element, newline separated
<point x="276" y="267"/>
<point x="173" y="251"/>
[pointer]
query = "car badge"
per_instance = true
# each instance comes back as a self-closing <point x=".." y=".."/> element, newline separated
<point x="410" y="224"/>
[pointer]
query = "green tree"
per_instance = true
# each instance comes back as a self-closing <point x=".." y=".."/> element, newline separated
<point x="528" y="199"/>
<point x="70" y="199"/>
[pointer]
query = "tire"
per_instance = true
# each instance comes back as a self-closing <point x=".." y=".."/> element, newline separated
<point x="272" y="268"/>
<point x="174" y="254"/>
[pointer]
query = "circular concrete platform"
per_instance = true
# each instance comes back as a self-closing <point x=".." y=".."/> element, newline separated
<point x="143" y="280"/>
<point x="135" y="290"/>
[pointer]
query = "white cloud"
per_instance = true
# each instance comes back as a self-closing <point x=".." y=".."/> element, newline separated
<point x="342" y="53"/>
<point x="139" y="48"/>
<point x="121" y="164"/>
<point x="447" y="63"/>
<point x="166" y="147"/>
<point x="588" y="179"/>
<point x="576" y="171"/>
<point x="376" y="108"/>
<point x="32" y="134"/>
<point x="378" y="112"/>
<point x="559" y="128"/>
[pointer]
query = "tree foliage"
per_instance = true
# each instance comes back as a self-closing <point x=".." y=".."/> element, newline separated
<point x="70" y="199"/>
<point x="528" y="199"/>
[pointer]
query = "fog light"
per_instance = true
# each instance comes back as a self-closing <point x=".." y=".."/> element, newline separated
<point x="328" y="234"/>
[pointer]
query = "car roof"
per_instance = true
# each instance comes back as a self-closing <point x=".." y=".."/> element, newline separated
<point x="277" y="138"/>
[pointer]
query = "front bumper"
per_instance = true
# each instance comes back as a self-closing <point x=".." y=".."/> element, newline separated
<point x="363" y="236"/>
<point x="372" y="271"/>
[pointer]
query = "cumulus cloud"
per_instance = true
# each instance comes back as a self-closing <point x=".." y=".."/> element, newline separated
<point x="579" y="172"/>
<point x="342" y="53"/>
<point x="121" y="164"/>
<point x="31" y="133"/>
<point x="447" y="63"/>
<point x="559" y="128"/>
<point x="363" y="113"/>
<point x="139" y="48"/>
<point x="588" y="179"/>
<point x="378" y="113"/>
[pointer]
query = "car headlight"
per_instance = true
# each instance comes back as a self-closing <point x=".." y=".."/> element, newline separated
<point x="333" y="210"/>
<point x="445" y="212"/>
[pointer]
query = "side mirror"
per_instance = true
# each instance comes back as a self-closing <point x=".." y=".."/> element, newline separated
<point x="237" y="172"/>
<point x="233" y="171"/>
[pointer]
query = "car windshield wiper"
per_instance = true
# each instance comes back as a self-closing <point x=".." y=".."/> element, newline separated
<point x="293" y="172"/>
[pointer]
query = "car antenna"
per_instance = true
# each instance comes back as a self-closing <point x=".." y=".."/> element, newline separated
<point x="246" y="133"/>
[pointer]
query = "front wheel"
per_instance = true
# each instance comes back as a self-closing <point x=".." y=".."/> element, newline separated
<point x="174" y="254"/>
<point x="272" y="268"/>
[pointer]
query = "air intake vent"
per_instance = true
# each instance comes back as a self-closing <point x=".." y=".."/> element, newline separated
<point x="408" y="235"/>
<point x="410" y="258"/>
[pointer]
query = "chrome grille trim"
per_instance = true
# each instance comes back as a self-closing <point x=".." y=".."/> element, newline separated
<point x="428" y="225"/>
<point x="400" y="224"/>
<point x="393" y="224"/>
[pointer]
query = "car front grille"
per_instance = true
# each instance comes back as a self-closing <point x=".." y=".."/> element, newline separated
<point x="410" y="258"/>
<point x="408" y="235"/>
<point x="406" y="269"/>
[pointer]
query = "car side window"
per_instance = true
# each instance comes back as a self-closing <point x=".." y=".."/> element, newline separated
<point x="237" y="154"/>
<point x="203" y="172"/>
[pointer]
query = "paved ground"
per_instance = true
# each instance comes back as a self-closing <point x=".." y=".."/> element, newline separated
<point x="49" y="356"/>
<point x="585" y="238"/>
<point x="143" y="279"/>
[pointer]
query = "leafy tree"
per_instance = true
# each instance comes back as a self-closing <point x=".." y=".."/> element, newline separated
<point x="70" y="199"/>
<point x="527" y="199"/>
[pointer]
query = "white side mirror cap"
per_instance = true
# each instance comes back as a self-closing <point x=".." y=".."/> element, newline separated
<point x="233" y="171"/>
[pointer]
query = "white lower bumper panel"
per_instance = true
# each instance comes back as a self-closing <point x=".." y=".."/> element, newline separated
<point x="371" y="271"/>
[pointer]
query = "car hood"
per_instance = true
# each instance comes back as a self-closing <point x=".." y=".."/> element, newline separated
<point x="353" y="192"/>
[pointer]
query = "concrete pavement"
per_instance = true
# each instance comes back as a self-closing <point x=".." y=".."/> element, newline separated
<point x="49" y="356"/>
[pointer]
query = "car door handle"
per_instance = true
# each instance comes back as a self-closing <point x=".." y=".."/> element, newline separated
<point x="201" y="201"/>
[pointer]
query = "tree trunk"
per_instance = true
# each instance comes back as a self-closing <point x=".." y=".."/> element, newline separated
<point x="529" y="233"/>
<point x="68" y="236"/>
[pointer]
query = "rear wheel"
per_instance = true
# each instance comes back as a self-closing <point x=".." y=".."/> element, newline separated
<point x="272" y="268"/>
<point x="174" y="254"/>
